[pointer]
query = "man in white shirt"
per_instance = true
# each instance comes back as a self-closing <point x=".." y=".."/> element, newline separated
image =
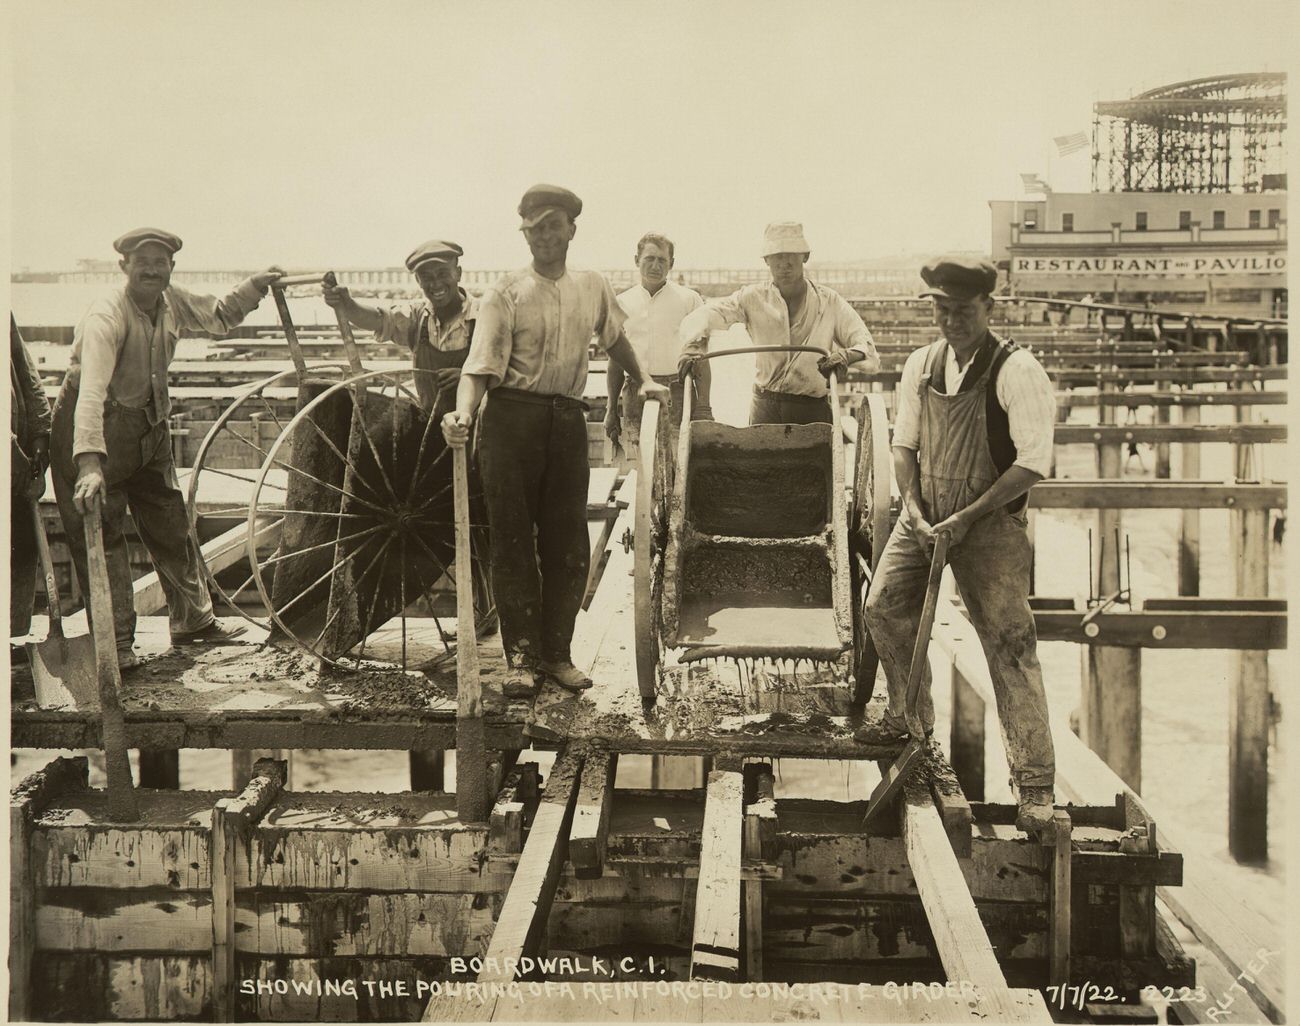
<point x="789" y="388"/>
<point x="655" y="308"/>
<point x="973" y="434"/>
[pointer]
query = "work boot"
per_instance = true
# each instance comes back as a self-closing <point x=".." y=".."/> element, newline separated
<point x="127" y="659"/>
<point x="216" y="632"/>
<point x="1035" y="811"/>
<point x="566" y="675"/>
<point x="887" y="731"/>
<point x="520" y="680"/>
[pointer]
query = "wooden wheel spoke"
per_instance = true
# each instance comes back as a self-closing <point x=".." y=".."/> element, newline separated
<point x="341" y="458"/>
<point x="315" y="584"/>
<point x="366" y="625"/>
<point x="361" y="577"/>
<point x="359" y="399"/>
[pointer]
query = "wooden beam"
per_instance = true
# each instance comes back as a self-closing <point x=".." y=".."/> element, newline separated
<point x="759" y="842"/>
<point x="954" y="809"/>
<point x="521" y="928"/>
<point x="513" y="807"/>
<point x="1116" y="494"/>
<point x="1187" y="433"/>
<point x="225" y="550"/>
<point x="1147" y="628"/>
<point x="1251" y="710"/>
<point x="716" y="946"/>
<point x="232" y="819"/>
<point x="1060" y="859"/>
<point x="1133" y="400"/>
<point x="591" y="814"/>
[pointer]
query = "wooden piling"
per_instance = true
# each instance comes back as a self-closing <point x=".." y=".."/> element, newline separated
<point x="160" y="770"/>
<point x="428" y="770"/>
<point x="1189" y="541"/>
<point x="967" y="739"/>
<point x="1251" y="709"/>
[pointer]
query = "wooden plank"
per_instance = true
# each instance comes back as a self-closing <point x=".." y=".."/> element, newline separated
<point x="106" y="920"/>
<point x="1133" y="400"/>
<point x="223" y="551"/>
<point x="951" y="803"/>
<point x="93" y="987"/>
<point x="1189" y="432"/>
<point x="522" y="925"/>
<point x="591" y="813"/>
<point x="1059" y="856"/>
<point x="108" y="856"/>
<point x="759" y="841"/>
<point x="715" y="945"/>
<point x="1113" y="494"/>
<point x="1147" y="628"/>
<point x="506" y="821"/>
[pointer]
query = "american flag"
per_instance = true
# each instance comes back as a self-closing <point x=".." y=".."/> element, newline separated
<point x="1033" y="183"/>
<point x="1067" y="144"/>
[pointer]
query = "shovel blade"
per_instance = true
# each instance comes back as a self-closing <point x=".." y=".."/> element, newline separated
<point x="893" y="780"/>
<point x="63" y="672"/>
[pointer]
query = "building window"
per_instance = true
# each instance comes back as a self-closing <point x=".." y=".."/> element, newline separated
<point x="1067" y="222"/>
<point x="1184" y="220"/>
<point x="1274" y="218"/>
<point x="1140" y="221"/>
<point x="1031" y="219"/>
<point x="1254" y="219"/>
<point x="1219" y="220"/>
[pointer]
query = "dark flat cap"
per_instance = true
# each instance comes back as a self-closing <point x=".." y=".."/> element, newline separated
<point x="540" y="200"/>
<point x="434" y="249"/>
<point x="134" y="240"/>
<point x="959" y="277"/>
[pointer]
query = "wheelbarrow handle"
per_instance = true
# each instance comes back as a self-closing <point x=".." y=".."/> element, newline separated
<point x="920" y="650"/>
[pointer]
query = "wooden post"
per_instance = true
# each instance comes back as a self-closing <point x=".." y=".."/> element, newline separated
<point x="1056" y="844"/>
<point x="967" y="740"/>
<point x="241" y="767"/>
<point x="1110" y="712"/>
<point x="1251" y="710"/>
<point x="26" y="802"/>
<point x="759" y="842"/>
<point x="1189" y="542"/>
<point x="427" y="770"/>
<point x="232" y="818"/>
<point x="591" y="814"/>
<point x="160" y="770"/>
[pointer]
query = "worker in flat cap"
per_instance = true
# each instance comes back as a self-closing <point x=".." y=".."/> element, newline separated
<point x="437" y="330"/>
<point x="789" y="310"/>
<point x="111" y="446"/>
<point x="655" y="308"/>
<point x="529" y="355"/>
<point x="972" y="435"/>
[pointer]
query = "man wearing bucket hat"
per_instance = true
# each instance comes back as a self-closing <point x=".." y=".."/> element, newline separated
<point x="111" y="447"/>
<point x="789" y="388"/>
<point x="972" y="435"/>
<point x="437" y="330"/>
<point x="529" y="355"/>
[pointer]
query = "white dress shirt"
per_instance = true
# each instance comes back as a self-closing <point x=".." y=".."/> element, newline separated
<point x="652" y="323"/>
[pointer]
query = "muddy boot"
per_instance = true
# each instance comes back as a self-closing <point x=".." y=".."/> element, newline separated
<point x="886" y="731"/>
<point x="566" y="675"/>
<point x="127" y="659"/>
<point x="520" y="680"/>
<point x="1035" y="811"/>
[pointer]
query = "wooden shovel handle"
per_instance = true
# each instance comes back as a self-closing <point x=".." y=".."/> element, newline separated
<point x="47" y="568"/>
<point x="921" y="648"/>
<point x="469" y="697"/>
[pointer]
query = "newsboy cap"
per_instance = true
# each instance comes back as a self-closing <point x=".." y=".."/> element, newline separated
<point x="959" y="277"/>
<point x="540" y="200"/>
<point x="433" y="250"/>
<point x="784" y="237"/>
<point x="135" y="239"/>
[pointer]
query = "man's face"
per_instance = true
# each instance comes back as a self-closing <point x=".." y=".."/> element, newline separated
<point x="148" y="269"/>
<point x="962" y="321"/>
<point x="439" y="280"/>
<point x="786" y="268"/>
<point x="548" y="240"/>
<point x="653" y="263"/>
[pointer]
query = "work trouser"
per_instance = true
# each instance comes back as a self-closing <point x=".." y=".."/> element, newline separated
<point x="785" y="408"/>
<point x="22" y="562"/>
<point x="991" y="566"/>
<point x="138" y="474"/>
<point x="533" y="459"/>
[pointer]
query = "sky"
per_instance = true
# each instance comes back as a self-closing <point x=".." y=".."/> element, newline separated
<point x="331" y="133"/>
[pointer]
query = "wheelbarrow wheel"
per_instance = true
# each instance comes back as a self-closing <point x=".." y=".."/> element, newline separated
<point x="239" y="440"/>
<point x="869" y="527"/>
<point x="654" y="474"/>
<point x="368" y="527"/>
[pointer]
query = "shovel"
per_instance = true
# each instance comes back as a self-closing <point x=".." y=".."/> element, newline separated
<point x="121" y="796"/>
<point x="893" y="780"/>
<point x="63" y="668"/>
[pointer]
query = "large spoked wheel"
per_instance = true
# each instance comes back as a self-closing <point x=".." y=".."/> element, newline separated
<point x="368" y="530"/>
<point x="240" y="440"/>
<point x="869" y="527"/>
<point x="653" y="484"/>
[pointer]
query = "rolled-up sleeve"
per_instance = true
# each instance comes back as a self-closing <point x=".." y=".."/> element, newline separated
<point x="398" y="324"/>
<point x="101" y="335"/>
<point x="852" y="333"/>
<point x="1025" y="392"/>
<point x="907" y="418"/>
<point x="489" y="353"/>
<point x="208" y="315"/>
<point x="714" y="315"/>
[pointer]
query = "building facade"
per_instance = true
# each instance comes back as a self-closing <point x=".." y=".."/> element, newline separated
<point x="1224" y="252"/>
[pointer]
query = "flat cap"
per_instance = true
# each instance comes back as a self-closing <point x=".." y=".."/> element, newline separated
<point x="433" y="250"/>
<point x="959" y="277"/>
<point x="135" y="239"/>
<point x="784" y="237"/>
<point x="541" y="200"/>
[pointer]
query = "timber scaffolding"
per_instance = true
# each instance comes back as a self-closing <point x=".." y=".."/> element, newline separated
<point x="209" y="894"/>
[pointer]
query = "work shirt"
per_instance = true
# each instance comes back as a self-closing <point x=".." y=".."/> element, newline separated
<point x="29" y="412"/>
<point x="825" y="320"/>
<point x="533" y="333"/>
<point x="434" y="345"/>
<point x="652" y="323"/>
<point x="1023" y="390"/>
<point x="120" y="352"/>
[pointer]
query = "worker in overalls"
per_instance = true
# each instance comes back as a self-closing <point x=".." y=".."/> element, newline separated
<point x="972" y="435"/>
<point x="437" y="330"/>
<point x="529" y="355"/>
<point x="789" y="310"/>
<point x="111" y="447"/>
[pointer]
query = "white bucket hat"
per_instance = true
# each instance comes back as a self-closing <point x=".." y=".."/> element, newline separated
<point x="784" y="237"/>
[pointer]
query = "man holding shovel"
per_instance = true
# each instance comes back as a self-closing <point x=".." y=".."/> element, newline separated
<point x="29" y="455"/>
<point x="530" y="355"/>
<point x="111" y="445"/>
<point x="973" y="434"/>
